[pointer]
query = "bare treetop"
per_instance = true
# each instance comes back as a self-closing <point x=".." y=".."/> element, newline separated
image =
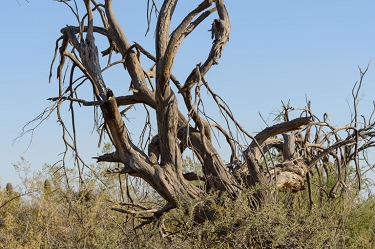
<point x="283" y="154"/>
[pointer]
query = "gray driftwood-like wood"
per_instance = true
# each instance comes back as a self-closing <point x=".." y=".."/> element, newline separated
<point x="304" y="143"/>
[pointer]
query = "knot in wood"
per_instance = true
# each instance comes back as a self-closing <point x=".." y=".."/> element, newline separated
<point x="154" y="150"/>
<point x="109" y="93"/>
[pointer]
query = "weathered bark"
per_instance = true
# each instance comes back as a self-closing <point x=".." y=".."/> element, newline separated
<point x="253" y="153"/>
<point x="161" y="164"/>
<point x="214" y="169"/>
<point x="168" y="116"/>
<point x="171" y="185"/>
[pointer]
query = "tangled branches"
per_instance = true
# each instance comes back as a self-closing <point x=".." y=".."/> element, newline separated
<point x="284" y="154"/>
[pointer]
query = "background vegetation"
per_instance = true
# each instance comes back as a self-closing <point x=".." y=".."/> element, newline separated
<point x="47" y="212"/>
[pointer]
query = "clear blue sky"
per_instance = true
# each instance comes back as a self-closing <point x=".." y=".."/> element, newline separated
<point x="278" y="50"/>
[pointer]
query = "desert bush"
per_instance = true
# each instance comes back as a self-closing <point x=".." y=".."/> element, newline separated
<point x="54" y="214"/>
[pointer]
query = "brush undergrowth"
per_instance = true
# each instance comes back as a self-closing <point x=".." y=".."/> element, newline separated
<point x="54" y="215"/>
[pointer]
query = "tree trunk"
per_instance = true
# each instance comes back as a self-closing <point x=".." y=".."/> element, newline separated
<point x="162" y="166"/>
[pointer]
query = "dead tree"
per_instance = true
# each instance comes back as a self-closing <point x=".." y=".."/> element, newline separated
<point x="282" y="154"/>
